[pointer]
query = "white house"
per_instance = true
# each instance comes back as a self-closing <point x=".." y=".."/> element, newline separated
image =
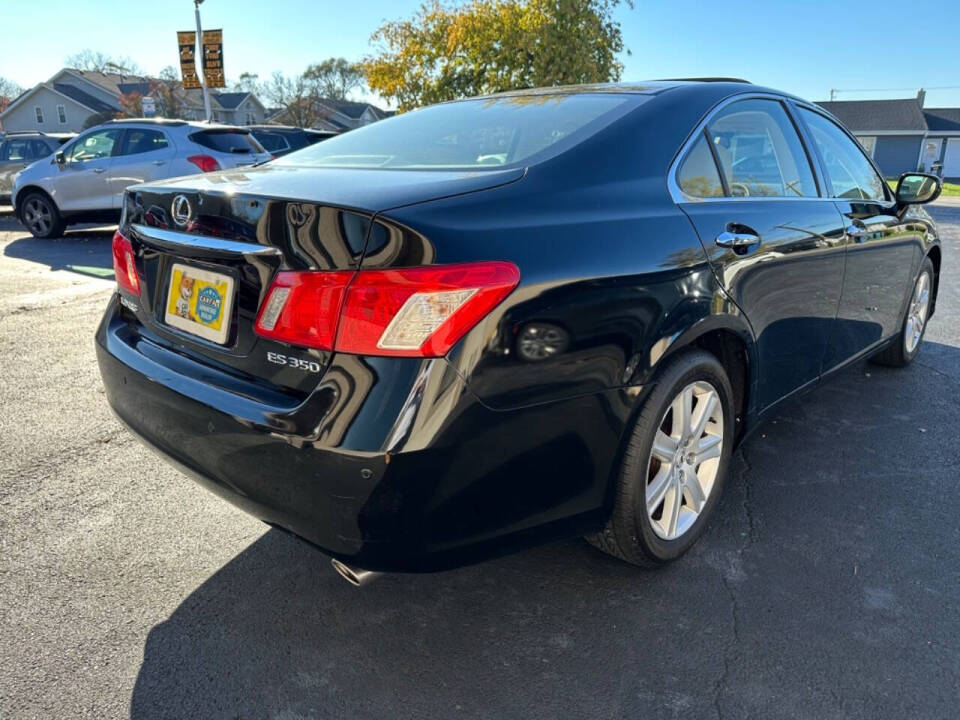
<point x="66" y="101"/>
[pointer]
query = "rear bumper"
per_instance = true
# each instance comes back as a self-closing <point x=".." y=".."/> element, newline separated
<point x="399" y="468"/>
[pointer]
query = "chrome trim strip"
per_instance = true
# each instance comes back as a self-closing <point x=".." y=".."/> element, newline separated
<point x="680" y="197"/>
<point x="173" y="239"/>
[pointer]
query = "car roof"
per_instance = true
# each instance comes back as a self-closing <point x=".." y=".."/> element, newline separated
<point x="168" y="122"/>
<point x="643" y="87"/>
<point x="709" y="88"/>
<point x="38" y="133"/>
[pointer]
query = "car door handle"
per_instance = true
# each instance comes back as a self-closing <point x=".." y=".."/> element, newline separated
<point x="737" y="237"/>
<point x="99" y="170"/>
<point x="159" y="162"/>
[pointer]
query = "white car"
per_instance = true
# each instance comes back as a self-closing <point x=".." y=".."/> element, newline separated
<point x="85" y="180"/>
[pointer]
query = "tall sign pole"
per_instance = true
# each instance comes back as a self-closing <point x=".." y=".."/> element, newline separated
<point x="203" y="81"/>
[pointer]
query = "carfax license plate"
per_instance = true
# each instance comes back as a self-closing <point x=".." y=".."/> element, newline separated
<point x="199" y="302"/>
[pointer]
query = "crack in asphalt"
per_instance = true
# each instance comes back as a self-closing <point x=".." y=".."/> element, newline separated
<point x="731" y="650"/>
<point x="735" y="621"/>
<point x="948" y="376"/>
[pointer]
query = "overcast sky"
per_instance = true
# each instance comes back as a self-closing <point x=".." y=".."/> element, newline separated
<point x="805" y="48"/>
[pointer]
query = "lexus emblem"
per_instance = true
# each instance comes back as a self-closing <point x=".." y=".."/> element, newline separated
<point x="180" y="210"/>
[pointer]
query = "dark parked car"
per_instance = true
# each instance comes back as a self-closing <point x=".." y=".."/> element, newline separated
<point x="492" y="323"/>
<point x="20" y="149"/>
<point x="279" y="140"/>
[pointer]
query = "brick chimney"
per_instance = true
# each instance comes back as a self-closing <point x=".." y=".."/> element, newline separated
<point x="921" y="96"/>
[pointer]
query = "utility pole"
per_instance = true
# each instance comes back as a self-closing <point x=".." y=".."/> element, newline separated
<point x="833" y="93"/>
<point x="199" y="66"/>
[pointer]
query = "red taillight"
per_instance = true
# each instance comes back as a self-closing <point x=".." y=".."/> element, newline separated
<point x="204" y="162"/>
<point x="124" y="264"/>
<point x="303" y="308"/>
<point x="410" y="312"/>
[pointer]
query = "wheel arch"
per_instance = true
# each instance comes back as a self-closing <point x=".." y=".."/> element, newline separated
<point x="935" y="255"/>
<point x="24" y="192"/>
<point x="729" y="338"/>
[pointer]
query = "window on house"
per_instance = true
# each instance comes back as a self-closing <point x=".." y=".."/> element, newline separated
<point x="868" y="143"/>
<point x="62" y="114"/>
<point x="39" y="111"/>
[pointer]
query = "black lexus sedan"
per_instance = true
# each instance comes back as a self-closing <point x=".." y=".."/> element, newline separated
<point x="491" y="323"/>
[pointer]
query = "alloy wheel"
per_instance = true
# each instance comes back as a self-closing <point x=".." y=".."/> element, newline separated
<point x="917" y="313"/>
<point x="38" y="216"/>
<point x="684" y="460"/>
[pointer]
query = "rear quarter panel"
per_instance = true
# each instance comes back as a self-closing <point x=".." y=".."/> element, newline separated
<point x="610" y="267"/>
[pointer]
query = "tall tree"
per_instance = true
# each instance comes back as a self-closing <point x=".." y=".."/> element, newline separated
<point x="167" y="91"/>
<point x="9" y="91"/>
<point x="96" y="61"/>
<point x="302" y="96"/>
<point x="333" y="78"/>
<point x="295" y="96"/>
<point x="247" y="82"/>
<point x="485" y="46"/>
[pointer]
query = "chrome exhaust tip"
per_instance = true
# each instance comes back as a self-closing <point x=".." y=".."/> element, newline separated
<point x="352" y="576"/>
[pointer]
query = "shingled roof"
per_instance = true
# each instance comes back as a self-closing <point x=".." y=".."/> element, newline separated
<point x="943" y="119"/>
<point x="879" y="115"/>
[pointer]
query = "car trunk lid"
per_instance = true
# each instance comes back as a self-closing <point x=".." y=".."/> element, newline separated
<point x="209" y="246"/>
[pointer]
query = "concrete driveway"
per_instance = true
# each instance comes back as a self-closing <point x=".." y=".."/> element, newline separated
<point x="828" y="585"/>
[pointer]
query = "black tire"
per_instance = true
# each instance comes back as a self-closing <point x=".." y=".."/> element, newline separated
<point x="39" y="214"/>
<point x="629" y="533"/>
<point x="896" y="354"/>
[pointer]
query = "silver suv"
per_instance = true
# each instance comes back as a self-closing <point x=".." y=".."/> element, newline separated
<point x="20" y="149"/>
<point x="85" y="180"/>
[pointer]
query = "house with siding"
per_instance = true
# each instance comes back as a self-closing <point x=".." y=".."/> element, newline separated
<point x="335" y="115"/>
<point x="68" y="100"/>
<point x="903" y="136"/>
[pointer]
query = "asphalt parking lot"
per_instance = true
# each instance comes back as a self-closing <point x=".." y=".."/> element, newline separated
<point x="828" y="586"/>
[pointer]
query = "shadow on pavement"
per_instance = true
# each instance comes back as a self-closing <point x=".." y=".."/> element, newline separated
<point x="84" y="251"/>
<point x="819" y="580"/>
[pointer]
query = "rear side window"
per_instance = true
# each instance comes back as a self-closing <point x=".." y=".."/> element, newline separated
<point x="849" y="173"/>
<point x="227" y="142"/>
<point x="759" y="151"/>
<point x="698" y="176"/>
<point x="142" y="141"/>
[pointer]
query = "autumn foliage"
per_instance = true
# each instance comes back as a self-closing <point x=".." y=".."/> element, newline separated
<point x="486" y="46"/>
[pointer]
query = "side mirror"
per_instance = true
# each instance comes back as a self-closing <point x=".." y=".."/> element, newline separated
<point x="918" y="188"/>
<point x="60" y="157"/>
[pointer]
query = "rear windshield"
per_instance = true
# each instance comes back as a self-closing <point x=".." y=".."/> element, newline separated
<point x="227" y="141"/>
<point x="482" y="133"/>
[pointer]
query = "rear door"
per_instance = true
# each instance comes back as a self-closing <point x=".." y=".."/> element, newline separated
<point x="775" y="244"/>
<point x="81" y="183"/>
<point x="144" y="155"/>
<point x="882" y="248"/>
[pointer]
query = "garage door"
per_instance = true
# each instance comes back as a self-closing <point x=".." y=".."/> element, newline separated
<point x="951" y="159"/>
